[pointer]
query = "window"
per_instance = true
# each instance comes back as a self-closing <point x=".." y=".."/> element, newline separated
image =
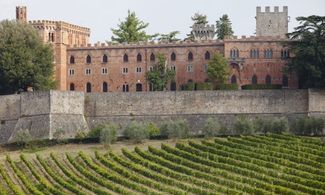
<point x="104" y="71"/>
<point x="150" y="68"/>
<point x="152" y="57"/>
<point x="207" y="55"/>
<point x="105" y="59"/>
<point x="71" y="86"/>
<point x="173" y="57"/>
<point x="88" y="87"/>
<point x="284" y="54"/>
<point x="87" y="71"/>
<point x="51" y="37"/>
<point x="125" y="58"/>
<point x="190" y="56"/>
<point x="254" y="80"/>
<point x="125" y="88"/>
<point x="233" y="79"/>
<point x="72" y="60"/>
<point x="285" y="81"/>
<point x="268" y="80"/>
<point x="205" y="67"/>
<point x="139" y="57"/>
<point x="268" y="53"/>
<point x="138" y="69"/>
<point x="105" y="87"/>
<point x="173" y="67"/>
<point x="125" y="70"/>
<point x="234" y="53"/>
<point x="173" y="86"/>
<point x="189" y="68"/>
<point x="138" y="87"/>
<point x="71" y="72"/>
<point x="88" y="59"/>
<point x="254" y="53"/>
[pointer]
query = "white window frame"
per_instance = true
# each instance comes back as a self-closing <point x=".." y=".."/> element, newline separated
<point x="125" y="70"/>
<point x="104" y="71"/>
<point x="87" y="71"/>
<point x="71" y="71"/>
<point x="138" y="70"/>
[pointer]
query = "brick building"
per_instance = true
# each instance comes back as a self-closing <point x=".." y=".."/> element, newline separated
<point x="113" y="67"/>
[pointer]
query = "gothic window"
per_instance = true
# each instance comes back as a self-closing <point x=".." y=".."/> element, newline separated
<point x="88" y="87"/>
<point x="139" y="57"/>
<point x="125" y="88"/>
<point x="138" y="69"/>
<point x="88" y="59"/>
<point x="125" y="70"/>
<point x="254" y="53"/>
<point x="173" y="57"/>
<point x="87" y="71"/>
<point x="268" y="53"/>
<point x="254" y="80"/>
<point x="72" y="60"/>
<point x="125" y="58"/>
<point x="173" y="86"/>
<point x="152" y="57"/>
<point x="104" y="71"/>
<point x="71" y="86"/>
<point x="105" y="59"/>
<point x="71" y="72"/>
<point x="207" y="55"/>
<point x="285" y="81"/>
<point x="190" y="56"/>
<point x="268" y="80"/>
<point x="138" y="87"/>
<point x="51" y="37"/>
<point x="189" y="68"/>
<point x="233" y="79"/>
<point x="284" y="54"/>
<point x="234" y="53"/>
<point x="105" y="87"/>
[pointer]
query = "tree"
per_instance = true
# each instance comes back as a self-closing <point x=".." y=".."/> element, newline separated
<point x="218" y="69"/>
<point x="160" y="75"/>
<point x="25" y="61"/>
<point x="308" y="46"/>
<point x="131" y="30"/>
<point x="170" y="37"/>
<point x="224" y="27"/>
<point x="197" y="19"/>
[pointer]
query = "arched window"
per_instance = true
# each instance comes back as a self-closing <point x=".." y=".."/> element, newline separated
<point x="139" y="57"/>
<point x="71" y="59"/>
<point x="125" y="58"/>
<point x="105" y="59"/>
<point x="190" y="56"/>
<point x="125" y="88"/>
<point x="234" y="53"/>
<point x="152" y="57"/>
<point x="72" y="87"/>
<point x="268" y="53"/>
<point x="173" y="86"/>
<point x="88" y="59"/>
<point x="284" y="54"/>
<point x="207" y="55"/>
<point x="268" y="80"/>
<point x="88" y="87"/>
<point x="233" y="79"/>
<point x="105" y="87"/>
<point x="138" y="87"/>
<point x="173" y="57"/>
<point x="285" y="81"/>
<point x="254" y="53"/>
<point x="254" y="80"/>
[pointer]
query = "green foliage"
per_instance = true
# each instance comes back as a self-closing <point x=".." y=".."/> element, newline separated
<point x="131" y="30"/>
<point x="170" y="37"/>
<point x="261" y="86"/>
<point x="197" y="19"/>
<point x="108" y="134"/>
<point x="218" y="69"/>
<point x="136" y="131"/>
<point x="309" y="49"/>
<point x="80" y="134"/>
<point x="160" y="75"/>
<point x="175" y="129"/>
<point x="276" y="125"/>
<point x="211" y="128"/>
<point x="224" y="28"/>
<point x="189" y="86"/>
<point x="308" y="126"/>
<point x="243" y="126"/>
<point x="152" y="129"/>
<point x="23" y="137"/>
<point x="232" y="86"/>
<point x="204" y="86"/>
<point x="24" y="60"/>
<point x="95" y="132"/>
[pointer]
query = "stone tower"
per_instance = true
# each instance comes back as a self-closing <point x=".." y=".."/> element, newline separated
<point x="203" y="32"/>
<point x="21" y="13"/>
<point x="272" y="23"/>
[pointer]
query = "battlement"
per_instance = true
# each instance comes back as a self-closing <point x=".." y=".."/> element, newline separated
<point x="200" y="27"/>
<point x="61" y="24"/>
<point x="256" y="38"/>
<point x="275" y="10"/>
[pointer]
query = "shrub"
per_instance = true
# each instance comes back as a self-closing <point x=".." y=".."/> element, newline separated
<point x="175" y="129"/>
<point x="80" y="134"/>
<point x="308" y="126"/>
<point x="280" y="125"/>
<point x="108" y="134"/>
<point x="276" y="125"/>
<point x="232" y="86"/>
<point x="152" y="129"/>
<point x="190" y="86"/>
<point x="204" y="86"/>
<point x="95" y="132"/>
<point x="23" y="137"/>
<point x="136" y="131"/>
<point x="243" y="126"/>
<point x="261" y="86"/>
<point x="211" y="128"/>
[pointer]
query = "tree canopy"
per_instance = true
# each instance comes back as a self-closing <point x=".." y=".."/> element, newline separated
<point x="25" y="61"/>
<point x="224" y="28"/>
<point x="131" y="30"/>
<point x="160" y="74"/>
<point x="308" y="46"/>
<point x="218" y="69"/>
<point x="170" y="37"/>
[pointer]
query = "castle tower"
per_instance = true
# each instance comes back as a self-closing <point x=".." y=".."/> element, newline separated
<point x="272" y="23"/>
<point x="21" y="14"/>
<point x="203" y="32"/>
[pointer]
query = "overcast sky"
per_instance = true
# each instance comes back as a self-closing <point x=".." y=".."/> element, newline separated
<point x="163" y="16"/>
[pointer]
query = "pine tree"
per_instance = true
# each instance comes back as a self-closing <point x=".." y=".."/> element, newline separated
<point x="224" y="27"/>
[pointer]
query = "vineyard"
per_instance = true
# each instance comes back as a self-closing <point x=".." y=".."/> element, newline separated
<point x="272" y="164"/>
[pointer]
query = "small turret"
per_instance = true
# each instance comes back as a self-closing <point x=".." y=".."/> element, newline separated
<point x="203" y="32"/>
<point x="21" y="14"/>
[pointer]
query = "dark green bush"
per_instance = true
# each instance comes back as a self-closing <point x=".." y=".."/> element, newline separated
<point x="136" y="131"/>
<point x="95" y="132"/>
<point x="152" y="129"/>
<point x="175" y="129"/>
<point x="233" y="86"/>
<point x="308" y="126"/>
<point x="204" y="86"/>
<point x="190" y="86"/>
<point x="261" y="86"/>
<point x="275" y="125"/>
<point x="211" y="128"/>
<point x="243" y="126"/>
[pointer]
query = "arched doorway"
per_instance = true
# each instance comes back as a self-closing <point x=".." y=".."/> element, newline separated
<point x="71" y="86"/>
<point x="233" y="79"/>
<point x="173" y="86"/>
<point x="138" y="87"/>
<point x="105" y="87"/>
<point x="88" y="87"/>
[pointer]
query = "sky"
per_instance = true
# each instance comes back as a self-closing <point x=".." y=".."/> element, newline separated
<point x="163" y="16"/>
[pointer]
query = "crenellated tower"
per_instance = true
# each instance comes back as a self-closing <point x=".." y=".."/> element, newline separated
<point x="203" y="32"/>
<point x="21" y="14"/>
